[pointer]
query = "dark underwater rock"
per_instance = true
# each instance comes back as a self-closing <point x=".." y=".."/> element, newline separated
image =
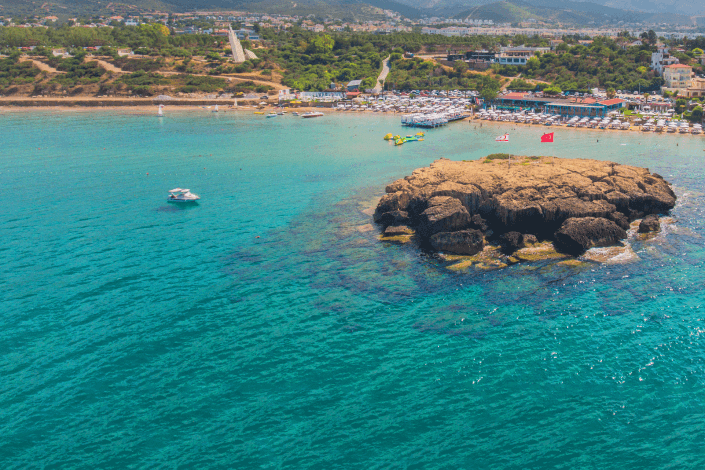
<point x="464" y="242"/>
<point x="396" y="230"/>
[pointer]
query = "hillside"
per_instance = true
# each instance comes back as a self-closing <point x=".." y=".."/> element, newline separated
<point x="342" y="9"/>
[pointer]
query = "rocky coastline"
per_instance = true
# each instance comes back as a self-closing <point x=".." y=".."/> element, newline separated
<point x="501" y="205"/>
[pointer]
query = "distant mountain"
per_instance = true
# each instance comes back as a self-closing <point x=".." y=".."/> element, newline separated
<point x="680" y="7"/>
<point x="594" y="12"/>
<point x="578" y="12"/>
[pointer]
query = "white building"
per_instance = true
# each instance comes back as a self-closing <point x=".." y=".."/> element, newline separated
<point x="662" y="58"/>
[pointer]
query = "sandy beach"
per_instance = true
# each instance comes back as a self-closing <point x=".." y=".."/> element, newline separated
<point x="146" y="106"/>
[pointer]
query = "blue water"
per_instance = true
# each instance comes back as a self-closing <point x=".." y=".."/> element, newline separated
<point x="138" y="334"/>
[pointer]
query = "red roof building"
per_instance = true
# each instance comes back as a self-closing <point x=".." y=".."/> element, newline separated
<point x="514" y="96"/>
<point x="611" y="102"/>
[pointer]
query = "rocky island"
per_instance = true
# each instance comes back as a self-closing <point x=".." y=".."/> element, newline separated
<point x="459" y="207"/>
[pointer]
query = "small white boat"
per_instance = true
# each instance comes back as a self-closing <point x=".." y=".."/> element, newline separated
<point x="295" y="114"/>
<point x="182" y="195"/>
<point x="271" y="115"/>
<point x="160" y="113"/>
<point x="312" y="114"/>
<point x="216" y="109"/>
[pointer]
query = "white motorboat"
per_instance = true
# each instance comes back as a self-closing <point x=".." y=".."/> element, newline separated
<point x="182" y="195"/>
<point x="160" y="113"/>
<point x="312" y="114"/>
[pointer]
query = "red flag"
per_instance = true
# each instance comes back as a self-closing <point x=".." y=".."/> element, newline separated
<point x="547" y="138"/>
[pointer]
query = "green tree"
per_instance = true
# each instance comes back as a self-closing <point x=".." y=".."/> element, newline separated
<point x="611" y="93"/>
<point x="653" y="39"/>
<point x="697" y="114"/>
<point x="681" y="105"/>
<point x="489" y="93"/>
<point x="460" y="66"/>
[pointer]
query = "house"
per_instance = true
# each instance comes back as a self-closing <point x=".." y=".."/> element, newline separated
<point x="519" y="55"/>
<point x="554" y="43"/>
<point x="131" y="23"/>
<point x="354" y="85"/>
<point x="662" y="58"/>
<point x="678" y="76"/>
<point x="480" y="56"/>
<point x="246" y="34"/>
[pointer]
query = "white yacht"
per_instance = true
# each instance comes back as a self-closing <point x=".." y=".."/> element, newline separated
<point x="182" y="195"/>
<point x="312" y="114"/>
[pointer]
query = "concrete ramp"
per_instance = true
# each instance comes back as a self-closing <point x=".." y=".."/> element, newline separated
<point x="249" y="54"/>
<point x="238" y="53"/>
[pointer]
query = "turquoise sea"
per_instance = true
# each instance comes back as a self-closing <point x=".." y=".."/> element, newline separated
<point x="268" y="328"/>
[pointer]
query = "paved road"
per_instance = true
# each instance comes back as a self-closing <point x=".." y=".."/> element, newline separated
<point x="382" y="76"/>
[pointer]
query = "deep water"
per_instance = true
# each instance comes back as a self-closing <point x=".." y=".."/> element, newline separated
<point x="267" y="327"/>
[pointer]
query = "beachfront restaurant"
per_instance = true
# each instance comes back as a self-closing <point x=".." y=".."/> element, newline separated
<point x="582" y="107"/>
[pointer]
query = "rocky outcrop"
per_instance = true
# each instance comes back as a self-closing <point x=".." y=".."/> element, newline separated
<point x="650" y="223"/>
<point x="532" y="196"/>
<point x="620" y="219"/>
<point x="579" y="234"/>
<point x="464" y="242"/>
<point x="393" y="218"/>
<point x="444" y="214"/>
<point x="511" y="242"/>
<point x="397" y="230"/>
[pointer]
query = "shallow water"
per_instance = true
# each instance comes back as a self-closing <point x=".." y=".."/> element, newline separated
<point x="138" y="334"/>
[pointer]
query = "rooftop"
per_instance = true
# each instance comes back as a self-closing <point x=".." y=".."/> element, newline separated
<point x="611" y="102"/>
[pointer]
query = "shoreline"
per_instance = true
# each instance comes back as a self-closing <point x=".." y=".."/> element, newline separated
<point x="149" y="106"/>
<point x="549" y="129"/>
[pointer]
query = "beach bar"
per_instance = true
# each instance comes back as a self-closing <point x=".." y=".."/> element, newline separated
<point x="584" y="107"/>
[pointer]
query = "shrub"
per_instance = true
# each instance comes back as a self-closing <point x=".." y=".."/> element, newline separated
<point x="498" y="156"/>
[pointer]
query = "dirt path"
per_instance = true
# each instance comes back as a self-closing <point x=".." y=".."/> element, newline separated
<point x="106" y="65"/>
<point x="41" y="65"/>
<point x="383" y="75"/>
